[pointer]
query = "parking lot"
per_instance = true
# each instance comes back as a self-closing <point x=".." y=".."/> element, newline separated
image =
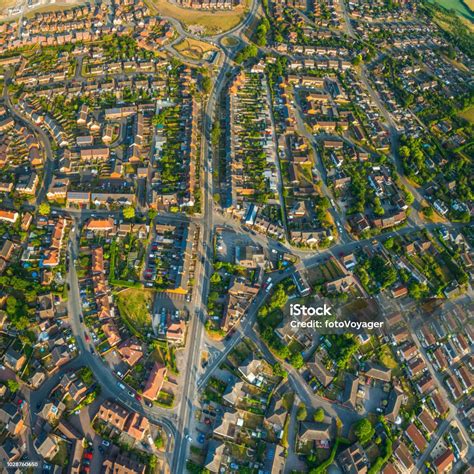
<point x="226" y="241"/>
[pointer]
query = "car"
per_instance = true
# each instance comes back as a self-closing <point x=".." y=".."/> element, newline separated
<point x="88" y="455"/>
<point x="207" y="421"/>
<point x="121" y="385"/>
<point x="188" y="437"/>
<point x="131" y="393"/>
<point x="86" y="336"/>
<point x="148" y="403"/>
<point x="201" y="438"/>
<point x="138" y="397"/>
<point x="101" y="450"/>
<point x="105" y="443"/>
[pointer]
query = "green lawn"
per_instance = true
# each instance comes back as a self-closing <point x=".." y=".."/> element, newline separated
<point x="468" y="114"/>
<point x="133" y="305"/>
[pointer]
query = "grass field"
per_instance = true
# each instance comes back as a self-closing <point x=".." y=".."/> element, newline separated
<point x="209" y="22"/>
<point x="468" y="114"/>
<point x="133" y="305"/>
<point x="463" y="9"/>
<point x="193" y="49"/>
<point x="230" y="41"/>
<point x="7" y="3"/>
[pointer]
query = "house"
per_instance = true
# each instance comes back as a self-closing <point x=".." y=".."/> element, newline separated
<point x="427" y="421"/>
<point x="14" y="359"/>
<point x="318" y="369"/>
<point x="234" y="392"/>
<point x="113" y="414"/>
<point x="454" y="387"/>
<point x="440" y="360"/>
<point x="77" y="391"/>
<point x="395" y="400"/>
<point x="130" y="351"/>
<point x="137" y="426"/>
<point x="408" y="350"/>
<point x="465" y="377"/>
<point x="111" y="332"/>
<point x="275" y="460"/>
<point x="121" y="464"/>
<point x="377" y="372"/>
<point x="11" y="417"/>
<point x="416" y="366"/>
<point x="8" y="216"/>
<point x="250" y="369"/>
<point x="52" y="411"/>
<point x="75" y="460"/>
<point x="400" y="291"/>
<point x="100" y="225"/>
<point x="310" y="431"/>
<point x="276" y="415"/>
<point x="7" y="249"/>
<point x="45" y="306"/>
<point x="400" y="335"/>
<point x="353" y="460"/>
<point x="98" y="260"/>
<point x="404" y="459"/>
<point x="416" y="437"/>
<point x="214" y="456"/>
<point x="426" y="383"/>
<point x="10" y="450"/>
<point x="226" y="425"/>
<point x="46" y="445"/>
<point x="60" y="355"/>
<point x="351" y="386"/>
<point x="249" y="256"/>
<point x="439" y="403"/>
<point x="444" y="462"/>
<point x="155" y="381"/>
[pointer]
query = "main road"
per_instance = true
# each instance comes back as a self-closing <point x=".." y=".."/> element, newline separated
<point x="200" y="292"/>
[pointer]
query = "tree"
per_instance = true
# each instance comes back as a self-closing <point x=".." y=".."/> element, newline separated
<point x="216" y="278"/>
<point x="302" y="413"/>
<point x="249" y="51"/>
<point x="13" y="385"/>
<point x="129" y="212"/>
<point x="159" y="443"/>
<point x="428" y="211"/>
<point x="364" y="430"/>
<point x="319" y="415"/>
<point x="206" y="84"/>
<point x="44" y="209"/>
<point x="152" y="213"/>
<point x="296" y="360"/>
<point x="357" y="60"/>
<point x="279" y="371"/>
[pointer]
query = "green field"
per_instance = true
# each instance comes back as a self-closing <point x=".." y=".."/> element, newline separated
<point x="133" y="305"/>
<point x="460" y="7"/>
<point x="468" y="114"/>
